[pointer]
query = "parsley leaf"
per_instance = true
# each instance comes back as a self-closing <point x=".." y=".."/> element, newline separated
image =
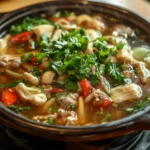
<point x="104" y="50"/>
<point x="113" y="70"/>
<point x="13" y="84"/>
<point x="138" y="106"/>
<point x="50" y="121"/>
<point x="35" y="71"/>
<point x="52" y="110"/>
<point x="19" y="109"/>
<point x="72" y="107"/>
<point x="27" y="25"/>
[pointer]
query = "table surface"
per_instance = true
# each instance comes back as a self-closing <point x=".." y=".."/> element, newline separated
<point x="141" y="7"/>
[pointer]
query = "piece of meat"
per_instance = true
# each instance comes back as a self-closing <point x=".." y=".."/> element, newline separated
<point x="43" y="30"/>
<point x="97" y="97"/>
<point x="66" y="24"/>
<point x="70" y="116"/>
<point x="66" y="117"/>
<point x="92" y="34"/>
<point x="16" y="63"/>
<point x="6" y="60"/>
<point x="128" y="92"/>
<point x="125" y="56"/>
<point x="67" y="101"/>
<point x="122" y="30"/>
<point x="44" y="119"/>
<point x="87" y="21"/>
<point x="142" y="71"/>
<point x="103" y="85"/>
<point x="31" y="79"/>
<point x="31" y="94"/>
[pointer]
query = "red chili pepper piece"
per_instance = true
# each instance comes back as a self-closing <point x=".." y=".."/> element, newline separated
<point x="9" y="97"/>
<point x="106" y="103"/>
<point x="56" y="90"/>
<point x="33" y="60"/>
<point x="86" y="87"/>
<point x="21" y="38"/>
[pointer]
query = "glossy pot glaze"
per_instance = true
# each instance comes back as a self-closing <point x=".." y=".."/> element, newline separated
<point x="135" y="122"/>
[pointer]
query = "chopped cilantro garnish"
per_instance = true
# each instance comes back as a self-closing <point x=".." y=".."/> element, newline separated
<point x="52" y="110"/>
<point x="104" y="50"/>
<point x="138" y="106"/>
<point x="27" y="25"/>
<point x="113" y="70"/>
<point x="120" y="46"/>
<point x="105" y="118"/>
<point x="19" y="109"/>
<point x="72" y="107"/>
<point x="72" y="86"/>
<point x="13" y="84"/>
<point x="50" y="121"/>
<point x="36" y="71"/>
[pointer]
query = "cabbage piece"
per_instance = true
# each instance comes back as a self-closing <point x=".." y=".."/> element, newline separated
<point x="140" y="53"/>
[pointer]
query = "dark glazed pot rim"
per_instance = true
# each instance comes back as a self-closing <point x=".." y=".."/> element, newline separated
<point x="9" y="117"/>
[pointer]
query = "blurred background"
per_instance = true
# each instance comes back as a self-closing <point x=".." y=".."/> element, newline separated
<point x="141" y="7"/>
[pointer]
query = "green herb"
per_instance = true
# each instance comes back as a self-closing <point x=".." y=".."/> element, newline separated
<point x="72" y="86"/>
<point x="130" y="110"/>
<point x="27" y="25"/>
<point x="61" y="14"/>
<point x="72" y="107"/>
<point x="104" y="50"/>
<point x="36" y="71"/>
<point x="106" y="117"/>
<point x="27" y="57"/>
<point x="19" y="109"/>
<point x="57" y="14"/>
<point x="12" y="84"/>
<point x="50" y="121"/>
<point x="40" y="57"/>
<point x="138" y="106"/>
<point x="113" y="70"/>
<point x="66" y="13"/>
<point x="120" y="46"/>
<point x="101" y="69"/>
<point x="52" y="110"/>
<point x="32" y="44"/>
<point x="48" y="96"/>
<point x="94" y="79"/>
<point x="58" y="95"/>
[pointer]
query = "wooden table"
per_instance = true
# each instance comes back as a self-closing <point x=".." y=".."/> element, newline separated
<point x="141" y="7"/>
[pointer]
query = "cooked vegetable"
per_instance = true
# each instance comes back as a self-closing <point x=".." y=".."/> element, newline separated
<point x="9" y="97"/>
<point x="128" y="92"/>
<point x="21" y="38"/>
<point x="19" y="109"/>
<point x="86" y="87"/>
<point x="140" y="53"/>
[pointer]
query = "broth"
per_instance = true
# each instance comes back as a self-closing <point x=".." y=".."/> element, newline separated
<point x="71" y="69"/>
